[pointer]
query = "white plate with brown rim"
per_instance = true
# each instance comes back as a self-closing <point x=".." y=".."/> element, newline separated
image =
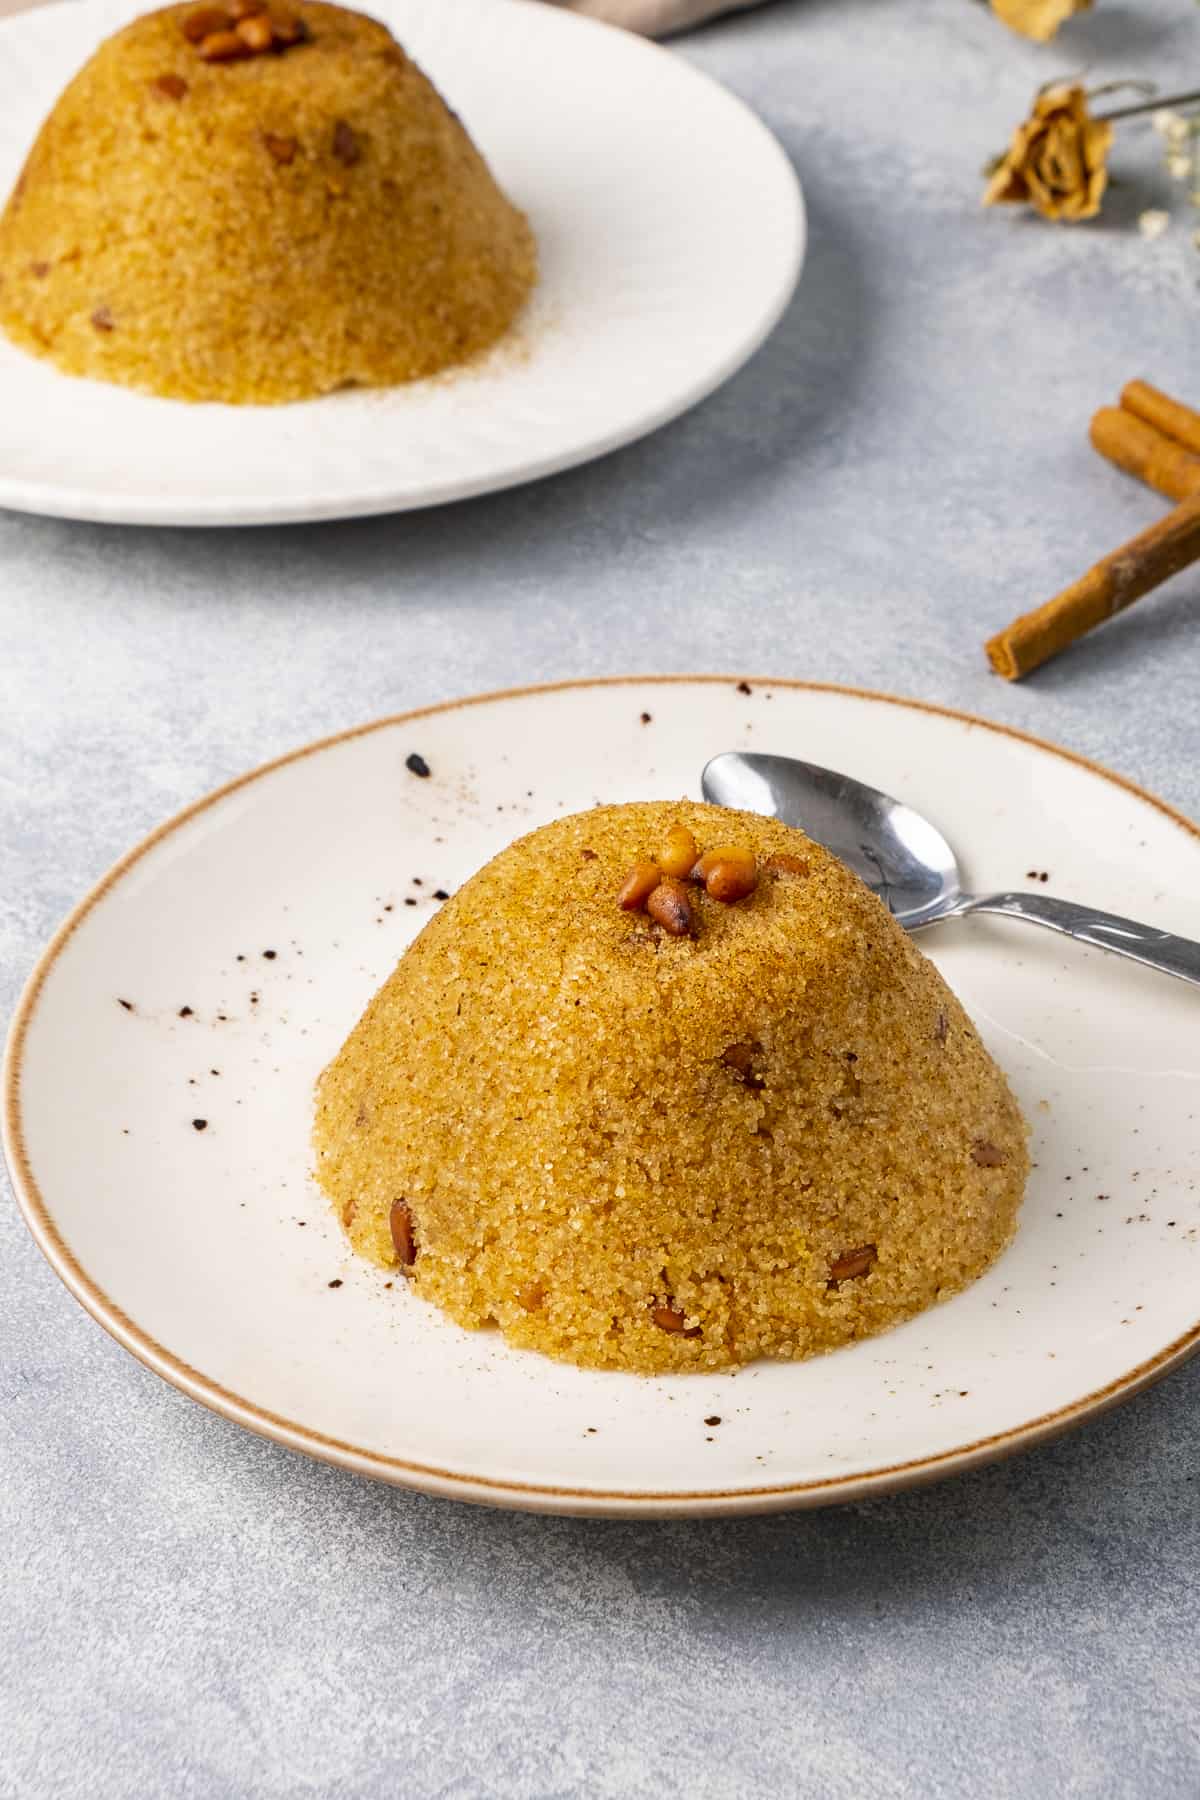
<point x="215" y="970"/>
<point x="671" y="232"/>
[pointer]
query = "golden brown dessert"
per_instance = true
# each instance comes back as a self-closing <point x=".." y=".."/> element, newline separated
<point x="230" y="204"/>
<point x="670" y="1117"/>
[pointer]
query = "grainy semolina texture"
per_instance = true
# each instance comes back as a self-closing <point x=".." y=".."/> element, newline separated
<point x="592" y="1122"/>
<point x="261" y="230"/>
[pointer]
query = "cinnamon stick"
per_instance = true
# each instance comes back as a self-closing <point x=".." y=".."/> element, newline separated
<point x="1169" y="416"/>
<point x="1147" y="560"/>
<point x="1133" y="445"/>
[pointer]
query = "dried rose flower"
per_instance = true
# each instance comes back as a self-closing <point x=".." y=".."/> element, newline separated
<point x="1038" y="19"/>
<point x="1056" y="162"/>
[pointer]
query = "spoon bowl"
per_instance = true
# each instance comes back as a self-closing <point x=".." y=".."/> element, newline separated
<point x="904" y="858"/>
<point x="899" y="854"/>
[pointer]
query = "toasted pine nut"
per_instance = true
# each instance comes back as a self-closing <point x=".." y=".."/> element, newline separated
<point x="638" y="886"/>
<point x="670" y="906"/>
<point x="741" y="1059"/>
<point x="729" y="873"/>
<point x="404" y="1238"/>
<point x="224" y="46"/>
<point x="852" y="1263"/>
<point x="255" y="32"/>
<point x="204" y="21"/>
<point x="283" y="149"/>
<point x="346" y="146"/>
<point x="669" y="1318"/>
<point x="679" y="852"/>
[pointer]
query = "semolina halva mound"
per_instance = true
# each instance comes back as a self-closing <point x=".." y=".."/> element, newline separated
<point x="233" y="204"/>
<point x="670" y="1131"/>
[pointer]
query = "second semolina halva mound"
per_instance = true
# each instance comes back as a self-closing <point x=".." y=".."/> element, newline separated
<point x="257" y="224"/>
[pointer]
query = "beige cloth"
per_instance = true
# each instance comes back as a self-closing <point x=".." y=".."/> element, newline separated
<point x="656" y="18"/>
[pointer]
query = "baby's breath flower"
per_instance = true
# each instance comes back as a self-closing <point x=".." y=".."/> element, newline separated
<point x="1172" y="125"/>
<point x="1153" y="222"/>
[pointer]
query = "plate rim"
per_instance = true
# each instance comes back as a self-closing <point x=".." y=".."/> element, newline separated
<point x="523" y="1495"/>
<point x="42" y="499"/>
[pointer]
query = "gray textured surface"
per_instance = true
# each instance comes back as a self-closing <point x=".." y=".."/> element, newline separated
<point x="187" y="1611"/>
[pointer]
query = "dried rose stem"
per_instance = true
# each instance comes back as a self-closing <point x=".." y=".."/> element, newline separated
<point x="1162" y="104"/>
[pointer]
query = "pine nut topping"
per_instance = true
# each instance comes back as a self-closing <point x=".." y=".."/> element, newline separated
<point x="638" y="886"/>
<point x="670" y="906"/>
<point x="404" y="1238"/>
<point x="679" y="852"/>
<point x="851" y="1264"/>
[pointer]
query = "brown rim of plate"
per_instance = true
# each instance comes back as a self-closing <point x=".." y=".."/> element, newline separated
<point x="530" y="1496"/>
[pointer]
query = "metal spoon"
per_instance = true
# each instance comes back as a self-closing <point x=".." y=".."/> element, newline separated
<point x="908" y="863"/>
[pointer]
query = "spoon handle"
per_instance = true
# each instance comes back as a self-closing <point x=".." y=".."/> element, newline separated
<point x="1107" y="931"/>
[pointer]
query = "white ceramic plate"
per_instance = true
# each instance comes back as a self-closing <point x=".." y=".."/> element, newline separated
<point x="211" y="1255"/>
<point x="671" y="230"/>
